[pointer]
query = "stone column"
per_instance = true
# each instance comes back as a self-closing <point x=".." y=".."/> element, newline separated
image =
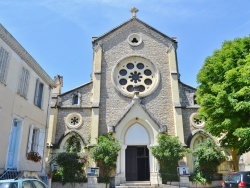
<point x="120" y="169"/>
<point x="155" y="178"/>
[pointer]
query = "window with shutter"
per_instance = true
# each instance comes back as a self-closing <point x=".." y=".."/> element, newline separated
<point x="4" y="65"/>
<point x="36" y="140"/>
<point x="38" y="94"/>
<point x="41" y="141"/>
<point x="23" y="83"/>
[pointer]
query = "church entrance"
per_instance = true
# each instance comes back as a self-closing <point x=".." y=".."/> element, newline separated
<point x="137" y="163"/>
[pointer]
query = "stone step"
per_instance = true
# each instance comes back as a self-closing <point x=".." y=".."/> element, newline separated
<point x="136" y="184"/>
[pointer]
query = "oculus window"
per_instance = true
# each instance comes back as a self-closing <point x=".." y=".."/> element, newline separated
<point x="135" y="71"/>
<point x="196" y="121"/>
<point x="74" y="120"/>
<point x="134" y="39"/>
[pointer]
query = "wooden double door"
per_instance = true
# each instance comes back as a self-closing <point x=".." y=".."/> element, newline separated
<point x="137" y="163"/>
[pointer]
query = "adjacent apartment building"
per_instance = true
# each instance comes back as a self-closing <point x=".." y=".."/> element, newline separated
<point x="25" y="92"/>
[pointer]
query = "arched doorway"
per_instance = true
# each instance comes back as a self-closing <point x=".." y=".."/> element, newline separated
<point x="137" y="154"/>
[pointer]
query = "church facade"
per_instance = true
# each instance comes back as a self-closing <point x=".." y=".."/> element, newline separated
<point x="135" y="94"/>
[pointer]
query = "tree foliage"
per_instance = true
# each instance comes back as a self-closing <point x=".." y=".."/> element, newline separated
<point x="73" y="144"/>
<point x="71" y="168"/>
<point x="224" y="94"/>
<point x="208" y="156"/>
<point x="105" y="154"/>
<point x="70" y="163"/>
<point x="169" y="151"/>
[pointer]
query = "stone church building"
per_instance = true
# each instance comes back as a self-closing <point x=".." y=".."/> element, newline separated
<point x="135" y="93"/>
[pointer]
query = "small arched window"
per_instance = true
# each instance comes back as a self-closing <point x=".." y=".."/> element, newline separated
<point x="194" y="99"/>
<point x="75" y="99"/>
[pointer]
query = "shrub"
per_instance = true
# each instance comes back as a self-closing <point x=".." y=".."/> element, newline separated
<point x="208" y="157"/>
<point x="105" y="154"/>
<point x="169" y="151"/>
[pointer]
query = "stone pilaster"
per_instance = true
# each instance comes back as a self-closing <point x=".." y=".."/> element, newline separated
<point x="175" y="93"/>
<point x="96" y="92"/>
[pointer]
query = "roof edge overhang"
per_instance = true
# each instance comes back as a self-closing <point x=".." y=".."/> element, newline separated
<point x="96" y="39"/>
<point x="19" y="49"/>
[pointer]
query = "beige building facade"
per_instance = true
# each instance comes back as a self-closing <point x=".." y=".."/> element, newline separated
<point x="25" y="93"/>
<point x="135" y="94"/>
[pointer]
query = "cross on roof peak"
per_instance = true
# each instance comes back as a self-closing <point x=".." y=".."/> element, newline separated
<point x="134" y="11"/>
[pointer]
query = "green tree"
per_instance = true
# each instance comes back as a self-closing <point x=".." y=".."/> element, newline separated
<point x="169" y="151"/>
<point x="224" y="95"/>
<point x="70" y="163"/>
<point x="105" y="154"/>
<point x="208" y="156"/>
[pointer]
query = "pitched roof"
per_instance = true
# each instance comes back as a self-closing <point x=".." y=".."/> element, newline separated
<point x="94" y="39"/>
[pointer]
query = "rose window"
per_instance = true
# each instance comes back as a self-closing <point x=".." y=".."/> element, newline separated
<point x="135" y="71"/>
<point x="74" y="120"/>
<point x="196" y="121"/>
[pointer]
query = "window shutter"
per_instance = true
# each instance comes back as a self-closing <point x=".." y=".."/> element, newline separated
<point x="21" y="82"/>
<point x="30" y="138"/>
<point x="26" y="83"/>
<point x="4" y="64"/>
<point x="40" y="95"/>
<point x="36" y="92"/>
<point x="41" y="142"/>
<point x="6" y="67"/>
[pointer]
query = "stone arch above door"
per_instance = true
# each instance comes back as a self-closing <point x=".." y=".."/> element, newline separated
<point x="136" y="135"/>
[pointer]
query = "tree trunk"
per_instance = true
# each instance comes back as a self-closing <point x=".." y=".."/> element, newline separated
<point x="235" y="158"/>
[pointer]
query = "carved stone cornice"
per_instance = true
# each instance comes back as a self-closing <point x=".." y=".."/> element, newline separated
<point x="16" y="47"/>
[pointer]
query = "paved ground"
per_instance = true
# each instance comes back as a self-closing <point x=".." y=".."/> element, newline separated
<point x="174" y="186"/>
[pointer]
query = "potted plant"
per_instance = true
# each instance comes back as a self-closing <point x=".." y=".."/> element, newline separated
<point x="34" y="156"/>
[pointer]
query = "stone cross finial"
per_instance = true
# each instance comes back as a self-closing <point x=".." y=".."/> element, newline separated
<point x="134" y="11"/>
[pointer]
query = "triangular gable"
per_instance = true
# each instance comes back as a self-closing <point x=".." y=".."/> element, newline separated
<point x="139" y="108"/>
<point x="95" y="39"/>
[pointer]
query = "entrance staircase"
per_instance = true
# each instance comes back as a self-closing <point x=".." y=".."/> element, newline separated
<point x="136" y="184"/>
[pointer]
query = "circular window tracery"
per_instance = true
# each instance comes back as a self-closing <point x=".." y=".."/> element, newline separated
<point x="135" y="71"/>
<point x="74" y="120"/>
<point x="134" y="39"/>
<point x="196" y="121"/>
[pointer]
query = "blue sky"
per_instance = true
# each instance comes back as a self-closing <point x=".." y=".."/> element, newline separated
<point x="58" y="33"/>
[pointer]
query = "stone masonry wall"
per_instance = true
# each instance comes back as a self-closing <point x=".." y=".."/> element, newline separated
<point x="62" y="129"/>
<point x="84" y="108"/>
<point x="187" y="126"/>
<point x="154" y="47"/>
<point x="187" y="96"/>
<point x="85" y="96"/>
